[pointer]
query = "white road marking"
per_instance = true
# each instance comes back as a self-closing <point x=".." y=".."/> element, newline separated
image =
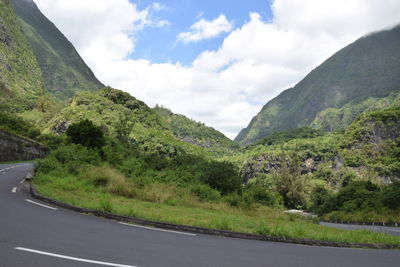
<point x="157" y="229"/>
<point x="22" y="181"/>
<point x="14" y="190"/>
<point x="45" y="206"/>
<point x="391" y="230"/>
<point x="73" y="258"/>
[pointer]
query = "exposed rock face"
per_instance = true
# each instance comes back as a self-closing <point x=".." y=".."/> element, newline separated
<point x="269" y="163"/>
<point x="4" y="36"/>
<point x="61" y="127"/>
<point x="379" y="133"/>
<point x="191" y="140"/>
<point x="13" y="147"/>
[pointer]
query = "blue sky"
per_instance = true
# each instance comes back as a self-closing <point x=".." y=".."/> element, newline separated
<point x="159" y="44"/>
<point x="215" y="61"/>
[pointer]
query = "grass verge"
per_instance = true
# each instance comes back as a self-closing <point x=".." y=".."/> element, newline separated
<point x="154" y="205"/>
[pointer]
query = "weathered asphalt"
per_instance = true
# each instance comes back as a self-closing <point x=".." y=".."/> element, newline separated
<point x="64" y="232"/>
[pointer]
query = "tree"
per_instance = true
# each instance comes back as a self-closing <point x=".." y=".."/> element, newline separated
<point x="291" y="184"/>
<point x="86" y="134"/>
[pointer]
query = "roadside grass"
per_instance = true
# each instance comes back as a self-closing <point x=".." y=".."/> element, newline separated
<point x="16" y="161"/>
<point x="371" y="216"/>
<point x="168" y="203"/>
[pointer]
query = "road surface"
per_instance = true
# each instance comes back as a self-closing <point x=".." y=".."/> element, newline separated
<point x="35" y="234"/>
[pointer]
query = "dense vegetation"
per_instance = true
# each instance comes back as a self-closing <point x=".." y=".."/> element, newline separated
<point x="197" y="133"/>
<point x="63" y="70"/>
<point x="14" y="124"/>
<point x="20" y="75"/>
<point x="121" y="178"/>
<point x="284" y="136"/>
<point x="366" y="68"/>
<point x="359" y="201"/>
<point x="313" y="173"/>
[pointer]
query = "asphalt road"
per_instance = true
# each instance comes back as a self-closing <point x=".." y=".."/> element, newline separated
<point x="33" y="235"/>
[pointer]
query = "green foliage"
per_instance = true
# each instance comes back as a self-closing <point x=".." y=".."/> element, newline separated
<point x="284" y="136"/>
<point x="372" y="141"/>
<point x="205" y="192"/>
<point x="391" y="195"/>
<point x="291" y="184"/>
<point x="334" y="119"/>
<point x="86" y="134"/>
<point x="367" y="201"/>
<point x="322" y="200"/>
<point x="14" y="124"/>
<point x="21" y="82"/>
<point x="263" y="195"/>
<point x="196" y="133"/>
<point x="68" y="159"/>
<point x="357" y="195"/>
<point x="222" y="176"/>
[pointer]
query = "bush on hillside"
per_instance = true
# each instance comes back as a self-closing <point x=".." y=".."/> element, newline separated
<point x="86" y="134"/>
<point x="391" y="195"/>
<point x="222" y="176"/>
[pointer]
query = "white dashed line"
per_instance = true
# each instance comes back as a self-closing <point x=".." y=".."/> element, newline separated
<point x="22" y="181"/>
<point x="157" y="229"/>
<point x="14" y="190"/>
<point x="44" y="206"/>
<point x="73" y="258"/>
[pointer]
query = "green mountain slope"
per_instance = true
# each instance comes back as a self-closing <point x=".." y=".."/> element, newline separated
<point x="64" y="71"/>
<point x="369" y="67"/>
<point x="20" y="76"/>
<point x="196" y="133"/>
<point x="123" y="117"/>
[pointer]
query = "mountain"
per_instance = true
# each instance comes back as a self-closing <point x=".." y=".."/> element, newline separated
<point x="123" y="117"/>
<point x="196" y="133"/>
<point x="367" y="68"/>
<point x="20" y="75"/>
<point x="63" y="70"/>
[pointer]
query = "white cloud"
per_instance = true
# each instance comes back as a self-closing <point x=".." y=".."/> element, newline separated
<point x="224" y="88"/>
<point x="204" y="29"/>
<point x="100" y="28"/>
<point x="158" y="7"/>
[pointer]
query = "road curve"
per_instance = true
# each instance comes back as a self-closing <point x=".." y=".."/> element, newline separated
<point x="40" y="235"/>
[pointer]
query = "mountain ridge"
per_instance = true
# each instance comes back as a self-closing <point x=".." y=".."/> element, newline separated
<point x="63" y="70"/>
<point x="367" y="67"/>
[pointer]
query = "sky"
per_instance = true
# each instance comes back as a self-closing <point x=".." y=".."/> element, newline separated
<point x="215" y="61"/>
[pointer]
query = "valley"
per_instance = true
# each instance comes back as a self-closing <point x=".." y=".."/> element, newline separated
<point x="329" y="145"/>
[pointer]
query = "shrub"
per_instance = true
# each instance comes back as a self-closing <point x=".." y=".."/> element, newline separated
<point x="322" y="201"/>
<point x="291" y="184"/>
<point x="391" y="195"/>
<point x="69" y="158"/>
<point x="86" y="134"/>
<point x="205" y="192"/>
<point x="358" y="195"/>
<point x="263" y="195"/>
<point x="222" y="176"/>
